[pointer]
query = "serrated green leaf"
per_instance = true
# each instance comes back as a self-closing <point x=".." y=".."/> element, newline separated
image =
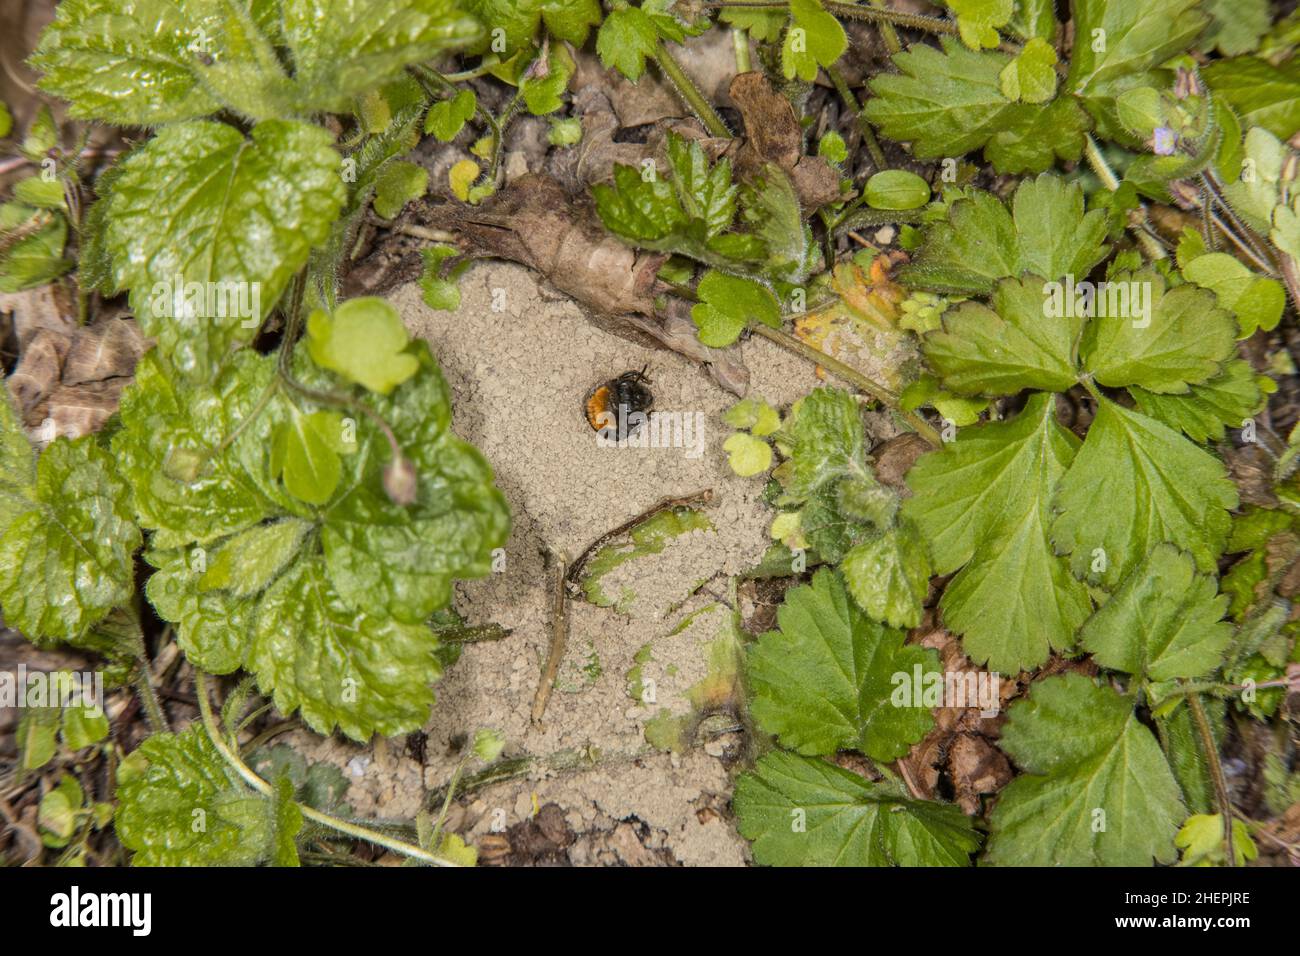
<point x="518" y="20"/>
<point x="1012" y="346"/>
<point x="801" y="811"/>
<point x="1257" y="301"/>
<point x="1181" y="339"/>
<point x="1097" y="790"/>
<point x="627" y="38"/>
<point x="189" y="808"/>
<point x="66" y="557"/>
<point x="213" y="628"/>
<point x="365" y="342"/>
<point x="728" y="304"/>
<point x="201" y="204"/>
<point x="983" y="503"/>
<point x="247" y="562"/>
<point x="825" y="681"/>
<point x="343" y="668"/>
<point x="1165" y="621"/>
<point x="889" y="575"/>
<point x="36" y="258"/>
<point x="950" y="102"/>
<point x="544" y="93"/>
<point x="1046" y="233"/>
<point x="1225" y="401"/>
<point x="1134" y="484"/>
<point x="399" y="183"/>
<point x="1236" y="26"/>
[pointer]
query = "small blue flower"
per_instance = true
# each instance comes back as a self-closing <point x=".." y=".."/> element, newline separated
<point x="1163" y="142"/>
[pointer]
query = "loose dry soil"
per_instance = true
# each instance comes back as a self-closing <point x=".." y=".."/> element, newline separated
<point x="519" y="374"/>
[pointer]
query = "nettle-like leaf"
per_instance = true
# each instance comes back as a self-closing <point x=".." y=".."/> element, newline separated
<point x="984" y="504"/>
<point x="67" y="534"/>
<point x="630" y="35"/>
<point x="950" y="101"/>
<point x="1134" y="484"/>
<point x="1226" y="401"/>
<point x="802" y="811"/>
<point x="1164" y="621"/>
<point x="826" y="680"/>
<point x="333" y="625"/>
<point x="145" y="62"/>
<point x="188" y="807"/>
<point x="1046" y="233"/>
<point x="1260" y="93"/>
<point x="519" y="20"/>
<point x="1097" y="790"/>
<point x="35" y="256"/>
<point x="206" y="227"/>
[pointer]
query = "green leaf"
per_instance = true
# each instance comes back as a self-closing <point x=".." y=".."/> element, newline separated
<point x="1134" y="484"/>
<point x="1228" y="399"/>
<point x="1260" y="93"/>
<point x="1257" y="301"/>
<point x="66" y="556"/>
<point x="17" y="463"/>
<point x="343" y="668"/>
<point x="983" y="503"/>
<point x="36" y="258"/>
<point x="827" y="443"/>
<point x="1096" y="790"/>
<point x="544" y="93"/>
<point x="1179" y="339"/>
<point x="1046" y="233"/>
<point x="448" y="117"/>
<point x="897" y="189"/>
<point x="304" y="454"/>
<point x="1236" y="26"/>
<point x="889" y="575"/>
<point x="978" y="21"/>
<point x="826" y="680"/>
<point x="754" y="415"/>
<point x="518" y="21"/>
<point x="814" y="38"/>
<point x="728" y="304"/>
<point x="1031" y="75"/>
<point x="213" y="628"/>
<point x="1012" y="346"/>
<point x="201" y="204"/>
<point x="627" y="39"/>
<point x="365" y="342"/>
<point x="801" y="811"/>
<point x="1134" y="38"/>
<point x="1165" y="621"/>
<point x="250" y="560"/>
<point x="442" y="292"/>
<point x="83" y="725"/>
<point x="949" y="102"/>
<point x="399" y="183"/>
<point x="189" y="808"/>
<point x="747" y="455"/>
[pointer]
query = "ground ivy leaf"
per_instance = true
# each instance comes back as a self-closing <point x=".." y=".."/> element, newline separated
<point x="1134" y="484"/>
<point x="827" y="442"/>
<point x="983" y="503"/>
<point x="398" y="561"/>
<point x="247" y="562"/>
<point x="889" y="575"/>
<point x="213" y="628"/>
<point x="303" y="452"/>
<point x="824" y="681"/>
<point x="186" y="781"/>
<point x="200" y="203"/>
<point x="1229" y="399"/>
<point x="346" y="669"/>
<point x="127" y="61"/>
<point x="165" y="424"/>
<point x="66" y="557"/>
<point x="1183" y="341"/>
<point x="364" y="341"/>
<point x="1097" y="790"/>
<point x="1046" y="233"/>
<point x="341" y="48"/>
<point x="1165" y="621"/>
<point x="846" y="820"/>
<point x="1006" y="348"/>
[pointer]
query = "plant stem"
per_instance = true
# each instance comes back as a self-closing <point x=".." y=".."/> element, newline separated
<point x="850" y="11"/>
<point x="850" y="375"/>
<point x="148" y="696"/>
<point x="740" y="44"/>
<point x="690" y="93"/>
<point x="851" y="101"/>
<point x="266" y="790"/>
<point x="887" y="31"/>
<point x="1092" y="152"/>
<point x="1216" y="772"/>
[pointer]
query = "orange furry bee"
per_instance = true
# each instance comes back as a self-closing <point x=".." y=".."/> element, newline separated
<point x="617" y="408"/>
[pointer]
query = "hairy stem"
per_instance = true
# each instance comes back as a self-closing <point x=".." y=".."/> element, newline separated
<point x="1216" y="772"/>
<point x="690" y="93"/>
